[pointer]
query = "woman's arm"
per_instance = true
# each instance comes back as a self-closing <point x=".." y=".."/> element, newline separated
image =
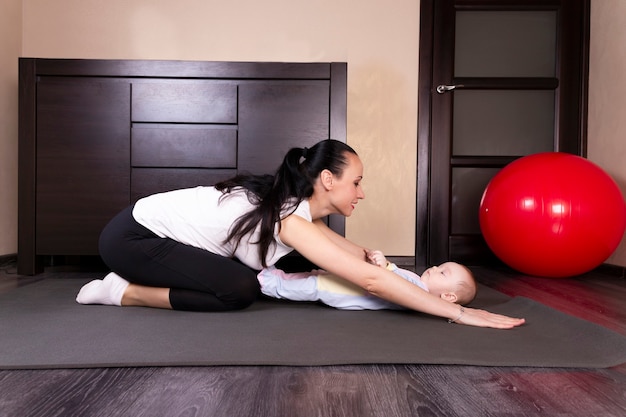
<point x="359" y="251"/>
<point x="311" y="241"/>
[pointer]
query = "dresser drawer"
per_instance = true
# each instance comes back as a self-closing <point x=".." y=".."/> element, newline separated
<point x="148" y="181"/>
<point x="184" y="146"/>
<point x="184" y="102"/>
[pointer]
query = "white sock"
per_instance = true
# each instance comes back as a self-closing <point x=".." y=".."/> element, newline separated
<point x="107" y="291"/>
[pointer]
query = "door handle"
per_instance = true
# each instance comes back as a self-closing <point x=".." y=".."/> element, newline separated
<point x="442" y="88"/>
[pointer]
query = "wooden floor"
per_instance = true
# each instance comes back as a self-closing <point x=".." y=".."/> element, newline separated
<point x="343" y="390"/>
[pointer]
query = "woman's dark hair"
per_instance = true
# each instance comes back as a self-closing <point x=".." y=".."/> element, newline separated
<point x="273" y="195"/>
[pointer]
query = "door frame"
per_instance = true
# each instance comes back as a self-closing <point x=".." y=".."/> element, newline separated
<point x="572" y="99"/>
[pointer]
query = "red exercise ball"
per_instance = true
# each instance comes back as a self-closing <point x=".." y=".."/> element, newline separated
<point x="552" y="214"/>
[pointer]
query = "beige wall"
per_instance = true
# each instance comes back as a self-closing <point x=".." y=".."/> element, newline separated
<point x="607" y="96"/>
<point x="10" y="48"/>
<point x="379" y="42"/>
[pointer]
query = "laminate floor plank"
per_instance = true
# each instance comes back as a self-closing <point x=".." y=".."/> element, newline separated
<point x="69" y="392"/>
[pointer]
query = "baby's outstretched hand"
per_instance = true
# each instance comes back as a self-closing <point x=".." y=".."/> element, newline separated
<point x="376" y="257"/>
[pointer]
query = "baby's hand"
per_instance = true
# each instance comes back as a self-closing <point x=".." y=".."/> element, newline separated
<point x="376" y="257"/>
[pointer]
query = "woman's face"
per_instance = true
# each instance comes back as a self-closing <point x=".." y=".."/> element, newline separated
<point x="346" y="190"/>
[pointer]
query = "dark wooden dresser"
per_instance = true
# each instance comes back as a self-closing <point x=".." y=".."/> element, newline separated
<point x="96" y="135"/>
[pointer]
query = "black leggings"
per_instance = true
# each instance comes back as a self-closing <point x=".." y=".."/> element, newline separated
<point x="198" y="279"/>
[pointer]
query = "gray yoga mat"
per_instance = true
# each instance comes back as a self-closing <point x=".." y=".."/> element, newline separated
<point x="42" y="327"/>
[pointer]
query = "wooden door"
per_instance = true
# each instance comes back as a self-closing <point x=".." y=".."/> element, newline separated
<point x="498" y="80"/>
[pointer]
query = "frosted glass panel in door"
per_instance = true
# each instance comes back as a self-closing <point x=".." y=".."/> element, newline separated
<point x="505" y="44"/>
<point x="468" y="186"/>
<point x="503" y="122"/>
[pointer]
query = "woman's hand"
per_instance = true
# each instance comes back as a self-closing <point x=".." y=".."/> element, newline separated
<point x="482" y="318"/>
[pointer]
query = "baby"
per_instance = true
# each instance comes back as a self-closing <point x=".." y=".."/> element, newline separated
<point x="450" y="281"/>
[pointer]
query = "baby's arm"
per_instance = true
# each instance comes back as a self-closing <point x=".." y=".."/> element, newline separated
<point x="376" y="257"/>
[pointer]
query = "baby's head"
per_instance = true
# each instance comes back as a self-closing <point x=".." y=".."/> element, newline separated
<point x="450" y="281"/>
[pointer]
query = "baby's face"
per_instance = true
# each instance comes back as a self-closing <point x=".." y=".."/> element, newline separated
<point x="444" y="278"/>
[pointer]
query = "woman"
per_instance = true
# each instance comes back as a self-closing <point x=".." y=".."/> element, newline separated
<point x="200" y="249"/>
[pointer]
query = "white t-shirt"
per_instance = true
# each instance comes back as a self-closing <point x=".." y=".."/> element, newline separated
<point x="197" y="217"/>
